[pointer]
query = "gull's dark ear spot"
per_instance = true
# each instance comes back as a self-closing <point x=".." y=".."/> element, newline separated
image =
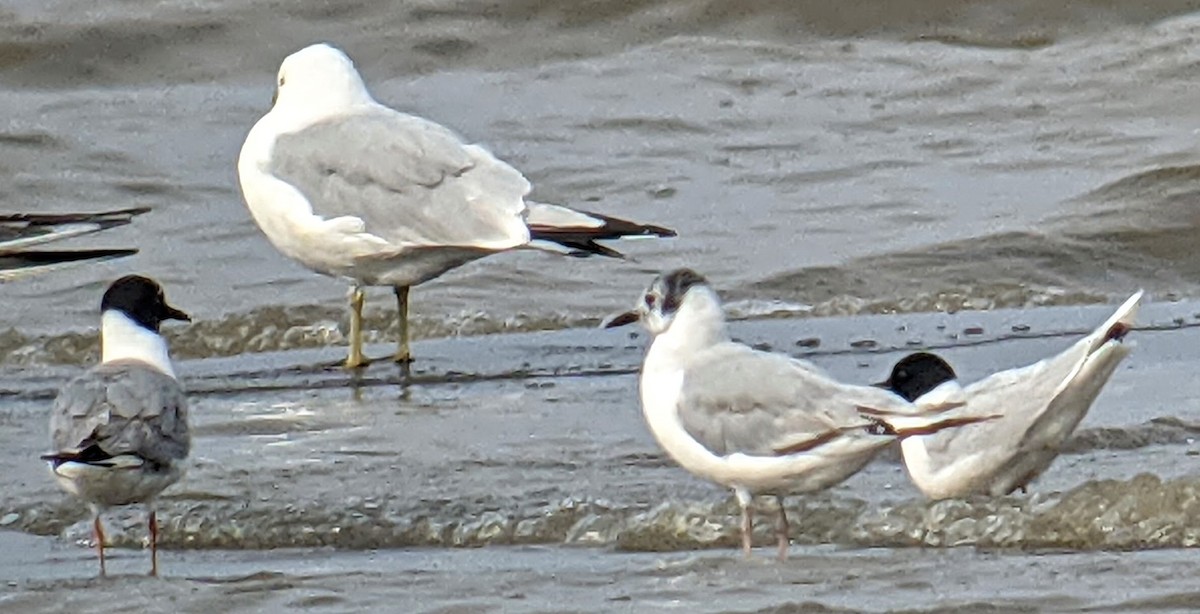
<point x="675" y="286"/>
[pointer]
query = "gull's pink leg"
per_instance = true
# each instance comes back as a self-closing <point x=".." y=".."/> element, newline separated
<point x="747" y="530"/>
<point x="781" y="530"/>
<point x="153" y="543"/>
<point x="746" y="500"/>
<point x="98" y="531"/>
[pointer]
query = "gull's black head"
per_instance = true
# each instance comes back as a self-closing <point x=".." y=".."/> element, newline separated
<point x="142" y="300"/>
<point x="662" y="299"/>
<point x="917" y="374"/>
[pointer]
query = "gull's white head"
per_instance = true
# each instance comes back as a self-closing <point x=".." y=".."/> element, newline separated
<point x="318" y="79"/>
<point x="680" y="298"/>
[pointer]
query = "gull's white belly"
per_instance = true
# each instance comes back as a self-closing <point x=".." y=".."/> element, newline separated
<point x="797" y="473"/>
<point x="108" y="486"/>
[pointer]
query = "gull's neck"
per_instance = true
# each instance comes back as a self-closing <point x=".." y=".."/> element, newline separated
<point x="123" y="339"/>
<point x="293" y="112"/>
<point x="926" y="470"/>
<point x="698" y="324"/>
<point x="299" y="109"/>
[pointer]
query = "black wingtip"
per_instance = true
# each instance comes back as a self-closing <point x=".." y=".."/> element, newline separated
<point x="660" y="231"/>
<point x="105" y="219"/>
<point x="1117" y="332"/>
<point x="582" y="239"/>
<point x="34" y="258"/>
<point x="91" y="454"/>
<point x="18" y="264"/>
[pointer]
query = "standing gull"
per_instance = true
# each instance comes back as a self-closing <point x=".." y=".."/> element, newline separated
<point x="353" y="189"/>
<point x="120" y="430"/>
<point x="1038" y="407"/>
<point x="20" y="231"/>
<point x="757" y="422"/>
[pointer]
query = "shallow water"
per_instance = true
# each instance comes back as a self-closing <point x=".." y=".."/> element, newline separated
<point x="929" y="161"/>
<point x="470" y="486"/>
<point x="538" y="579"/>
<point x="844" y="160"/>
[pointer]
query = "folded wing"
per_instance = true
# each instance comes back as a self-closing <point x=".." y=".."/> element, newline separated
<point x="120" y="409"/>
<point x="404" y="179"/>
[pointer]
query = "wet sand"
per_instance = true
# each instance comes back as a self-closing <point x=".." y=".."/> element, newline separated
<point x="513" y="473"/>
<point x="540" y="579"/>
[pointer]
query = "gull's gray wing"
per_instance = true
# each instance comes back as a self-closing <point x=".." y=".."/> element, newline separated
<point x="736" y="399"/>
<point x="1017" y="395"/>
<point x="122" y="408"/>
<point x="1040" y="404"/>
<point x="1023" y="398"/>
<point x="412" y="182"/>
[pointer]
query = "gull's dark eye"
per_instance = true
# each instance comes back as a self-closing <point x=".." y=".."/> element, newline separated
<point x="281" y="81"/>
<point x="650" y="300"/>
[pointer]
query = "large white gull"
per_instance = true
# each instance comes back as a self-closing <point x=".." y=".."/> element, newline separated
<point x="353" y="189"/>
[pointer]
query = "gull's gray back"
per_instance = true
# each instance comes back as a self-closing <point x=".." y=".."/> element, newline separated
<point x="411" y="181"/>
<point x="736" y="399"/>
<point x="124" y="408"/>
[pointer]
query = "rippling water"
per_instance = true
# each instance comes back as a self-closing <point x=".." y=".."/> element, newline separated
<point x="533" y="440"/>
<point x="818" y="160"/>
<point x="874" y="155"/>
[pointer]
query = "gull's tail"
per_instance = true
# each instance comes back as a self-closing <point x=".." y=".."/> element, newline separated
<point x="1118" y="324"/>
<point x="577" y="231"/>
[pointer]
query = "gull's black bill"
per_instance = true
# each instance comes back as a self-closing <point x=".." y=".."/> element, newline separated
<point x="171" y="313"/>
<point x="620" y="319"/>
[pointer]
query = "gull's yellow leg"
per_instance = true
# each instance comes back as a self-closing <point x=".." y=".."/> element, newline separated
<point x="356" y="359"/>
<point x="403" y="355"/>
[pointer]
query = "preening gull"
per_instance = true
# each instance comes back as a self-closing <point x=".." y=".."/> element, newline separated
<point x="758" y="422"/>
<point x="120" y="430"/>
<point x="1038" y="405"/>
<point x="353" y="189"/>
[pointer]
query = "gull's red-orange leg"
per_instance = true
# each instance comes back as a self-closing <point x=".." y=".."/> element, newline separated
<point x="98" y="530"/>
<point x="153" y="543"/>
